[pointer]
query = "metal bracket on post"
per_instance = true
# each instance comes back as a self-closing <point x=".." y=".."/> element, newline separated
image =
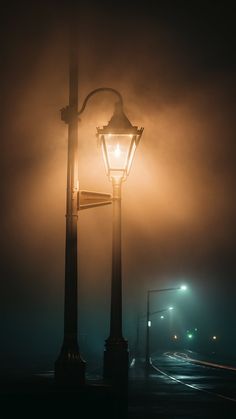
<point x="88" y="199"/>
<point x="68" y="114"/>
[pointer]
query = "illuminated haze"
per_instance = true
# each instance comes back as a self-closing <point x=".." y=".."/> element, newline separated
<point x="178" y="220"/>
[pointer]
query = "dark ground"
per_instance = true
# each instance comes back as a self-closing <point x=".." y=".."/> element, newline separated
<point x="156" y="395"/>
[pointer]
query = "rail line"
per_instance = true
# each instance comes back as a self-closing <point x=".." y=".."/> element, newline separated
<point x="192" y="386"/>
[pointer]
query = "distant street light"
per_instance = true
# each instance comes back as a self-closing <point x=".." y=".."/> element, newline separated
<point x="118" y="140"/>
<point x="149" y="323"/>
<point x="149" y="292"/>
<point x="161" y="311"/>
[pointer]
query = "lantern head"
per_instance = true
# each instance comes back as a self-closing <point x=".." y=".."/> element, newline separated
<point x="118" y="140"/>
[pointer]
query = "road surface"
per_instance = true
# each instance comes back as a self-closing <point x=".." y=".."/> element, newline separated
<point x="176" y="388"/>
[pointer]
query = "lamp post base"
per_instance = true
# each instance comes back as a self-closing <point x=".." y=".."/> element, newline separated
<point x="70" y="368"/>
<point x="116" y="361"/>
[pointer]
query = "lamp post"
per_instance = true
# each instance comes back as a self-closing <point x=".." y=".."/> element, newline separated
<point x="118" y="140"/>
<point x="69" y="367"/>
<point x="149" y="292"/>
<point x="149" y="324"/>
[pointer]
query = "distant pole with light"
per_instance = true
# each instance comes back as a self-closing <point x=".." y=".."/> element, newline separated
<point x="149" y="293"/>
<point x="118" y="140"/>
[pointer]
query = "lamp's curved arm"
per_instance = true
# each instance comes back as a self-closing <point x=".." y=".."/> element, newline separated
<point x="100" y="89"/>
<point x="155" y="312"/>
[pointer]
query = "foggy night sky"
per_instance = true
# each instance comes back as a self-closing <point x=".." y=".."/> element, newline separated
<point x="174" y="63"/>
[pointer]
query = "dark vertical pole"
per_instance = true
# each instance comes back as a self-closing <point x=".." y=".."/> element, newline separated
<point x="137" y="337"/>
<point x="116" y="292"/>
<point x="147" y="331"/>
<point x="70" y="367"/>
<point x="116" y="357"/>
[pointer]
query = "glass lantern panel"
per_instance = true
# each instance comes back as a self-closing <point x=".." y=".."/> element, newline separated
<point x="131" y="156"/>
<point x="105" y="156"/>
<point x="118" y="150"/>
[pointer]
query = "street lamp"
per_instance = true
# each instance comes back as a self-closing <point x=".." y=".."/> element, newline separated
<point x="118" y="140"/>
<point x="69" y="366"/>
<point x="149" y="292"/>
<point x="149" y="324"/>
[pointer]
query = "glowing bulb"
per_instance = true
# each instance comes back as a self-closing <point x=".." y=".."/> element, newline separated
<point x="117" y="151"/>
